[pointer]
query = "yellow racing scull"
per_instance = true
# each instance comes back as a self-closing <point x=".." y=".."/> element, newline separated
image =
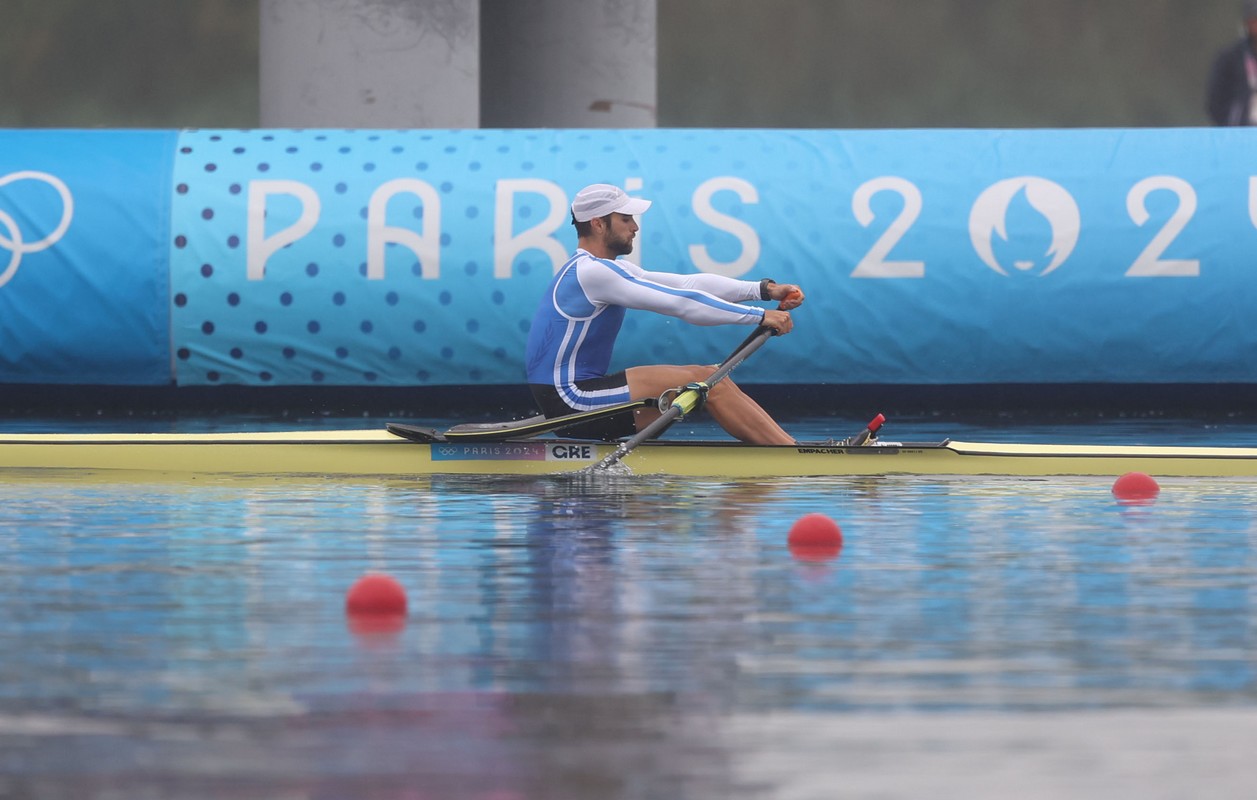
<point x="404" y="450"/>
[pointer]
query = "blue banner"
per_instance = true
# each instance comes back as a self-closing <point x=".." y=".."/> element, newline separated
<point x="413" y="258"/>
<point x="928" y="256"/>
<point x="84" y="270"/>
<point x="1044" y="256"/>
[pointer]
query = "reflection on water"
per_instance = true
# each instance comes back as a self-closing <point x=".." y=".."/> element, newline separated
<point x="608" y="637"/>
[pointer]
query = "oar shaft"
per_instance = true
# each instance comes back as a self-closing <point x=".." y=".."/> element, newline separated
<point x="687" y="399"/>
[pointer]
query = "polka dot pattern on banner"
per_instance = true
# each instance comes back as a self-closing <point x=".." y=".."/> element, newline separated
<point x="411" y="257"/>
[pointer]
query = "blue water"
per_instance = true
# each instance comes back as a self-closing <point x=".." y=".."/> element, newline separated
<point x="634" y="637"/>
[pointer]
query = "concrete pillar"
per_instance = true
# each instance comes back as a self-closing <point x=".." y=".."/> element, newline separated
<point x="370" y="63"/>
<point x="568" y="64"/>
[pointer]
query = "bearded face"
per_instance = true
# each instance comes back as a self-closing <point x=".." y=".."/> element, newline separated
<point x="618" y="234"/>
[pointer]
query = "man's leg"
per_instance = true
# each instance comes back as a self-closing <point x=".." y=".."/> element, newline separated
<point x="736" y="412"/>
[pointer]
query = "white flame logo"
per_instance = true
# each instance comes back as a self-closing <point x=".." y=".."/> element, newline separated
<point x="990" y="217"/>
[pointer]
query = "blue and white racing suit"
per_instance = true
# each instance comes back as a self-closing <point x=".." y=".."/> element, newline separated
<point x="574" y="330"/>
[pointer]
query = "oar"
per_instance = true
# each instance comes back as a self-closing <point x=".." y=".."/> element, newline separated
<point x="688" y="399"/>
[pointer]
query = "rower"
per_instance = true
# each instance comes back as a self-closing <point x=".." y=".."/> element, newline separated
<point x="579" y="317"/>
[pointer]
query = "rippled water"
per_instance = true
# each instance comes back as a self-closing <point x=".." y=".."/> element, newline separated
<point x="629" y="638"/>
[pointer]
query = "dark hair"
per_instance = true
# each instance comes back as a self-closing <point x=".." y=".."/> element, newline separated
<point x="584" y="228"/>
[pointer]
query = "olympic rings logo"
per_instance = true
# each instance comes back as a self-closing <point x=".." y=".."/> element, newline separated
<point x="11" y="235"/>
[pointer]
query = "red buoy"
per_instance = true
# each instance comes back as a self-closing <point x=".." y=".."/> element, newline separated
<point x="1135" y="487"/>
<point x="815" y="537"/>
<point x="376" y="597"/>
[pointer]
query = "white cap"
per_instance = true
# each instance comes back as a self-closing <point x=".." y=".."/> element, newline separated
<point x="602" y="199"/>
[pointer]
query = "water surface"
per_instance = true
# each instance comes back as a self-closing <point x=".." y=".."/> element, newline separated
<point x="631" y="637"/>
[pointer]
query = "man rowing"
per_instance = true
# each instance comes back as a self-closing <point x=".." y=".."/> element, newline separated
<point x="577" y="321"/>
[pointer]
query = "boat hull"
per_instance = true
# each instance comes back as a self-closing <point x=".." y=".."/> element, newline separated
<point x="378" y="452"/>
